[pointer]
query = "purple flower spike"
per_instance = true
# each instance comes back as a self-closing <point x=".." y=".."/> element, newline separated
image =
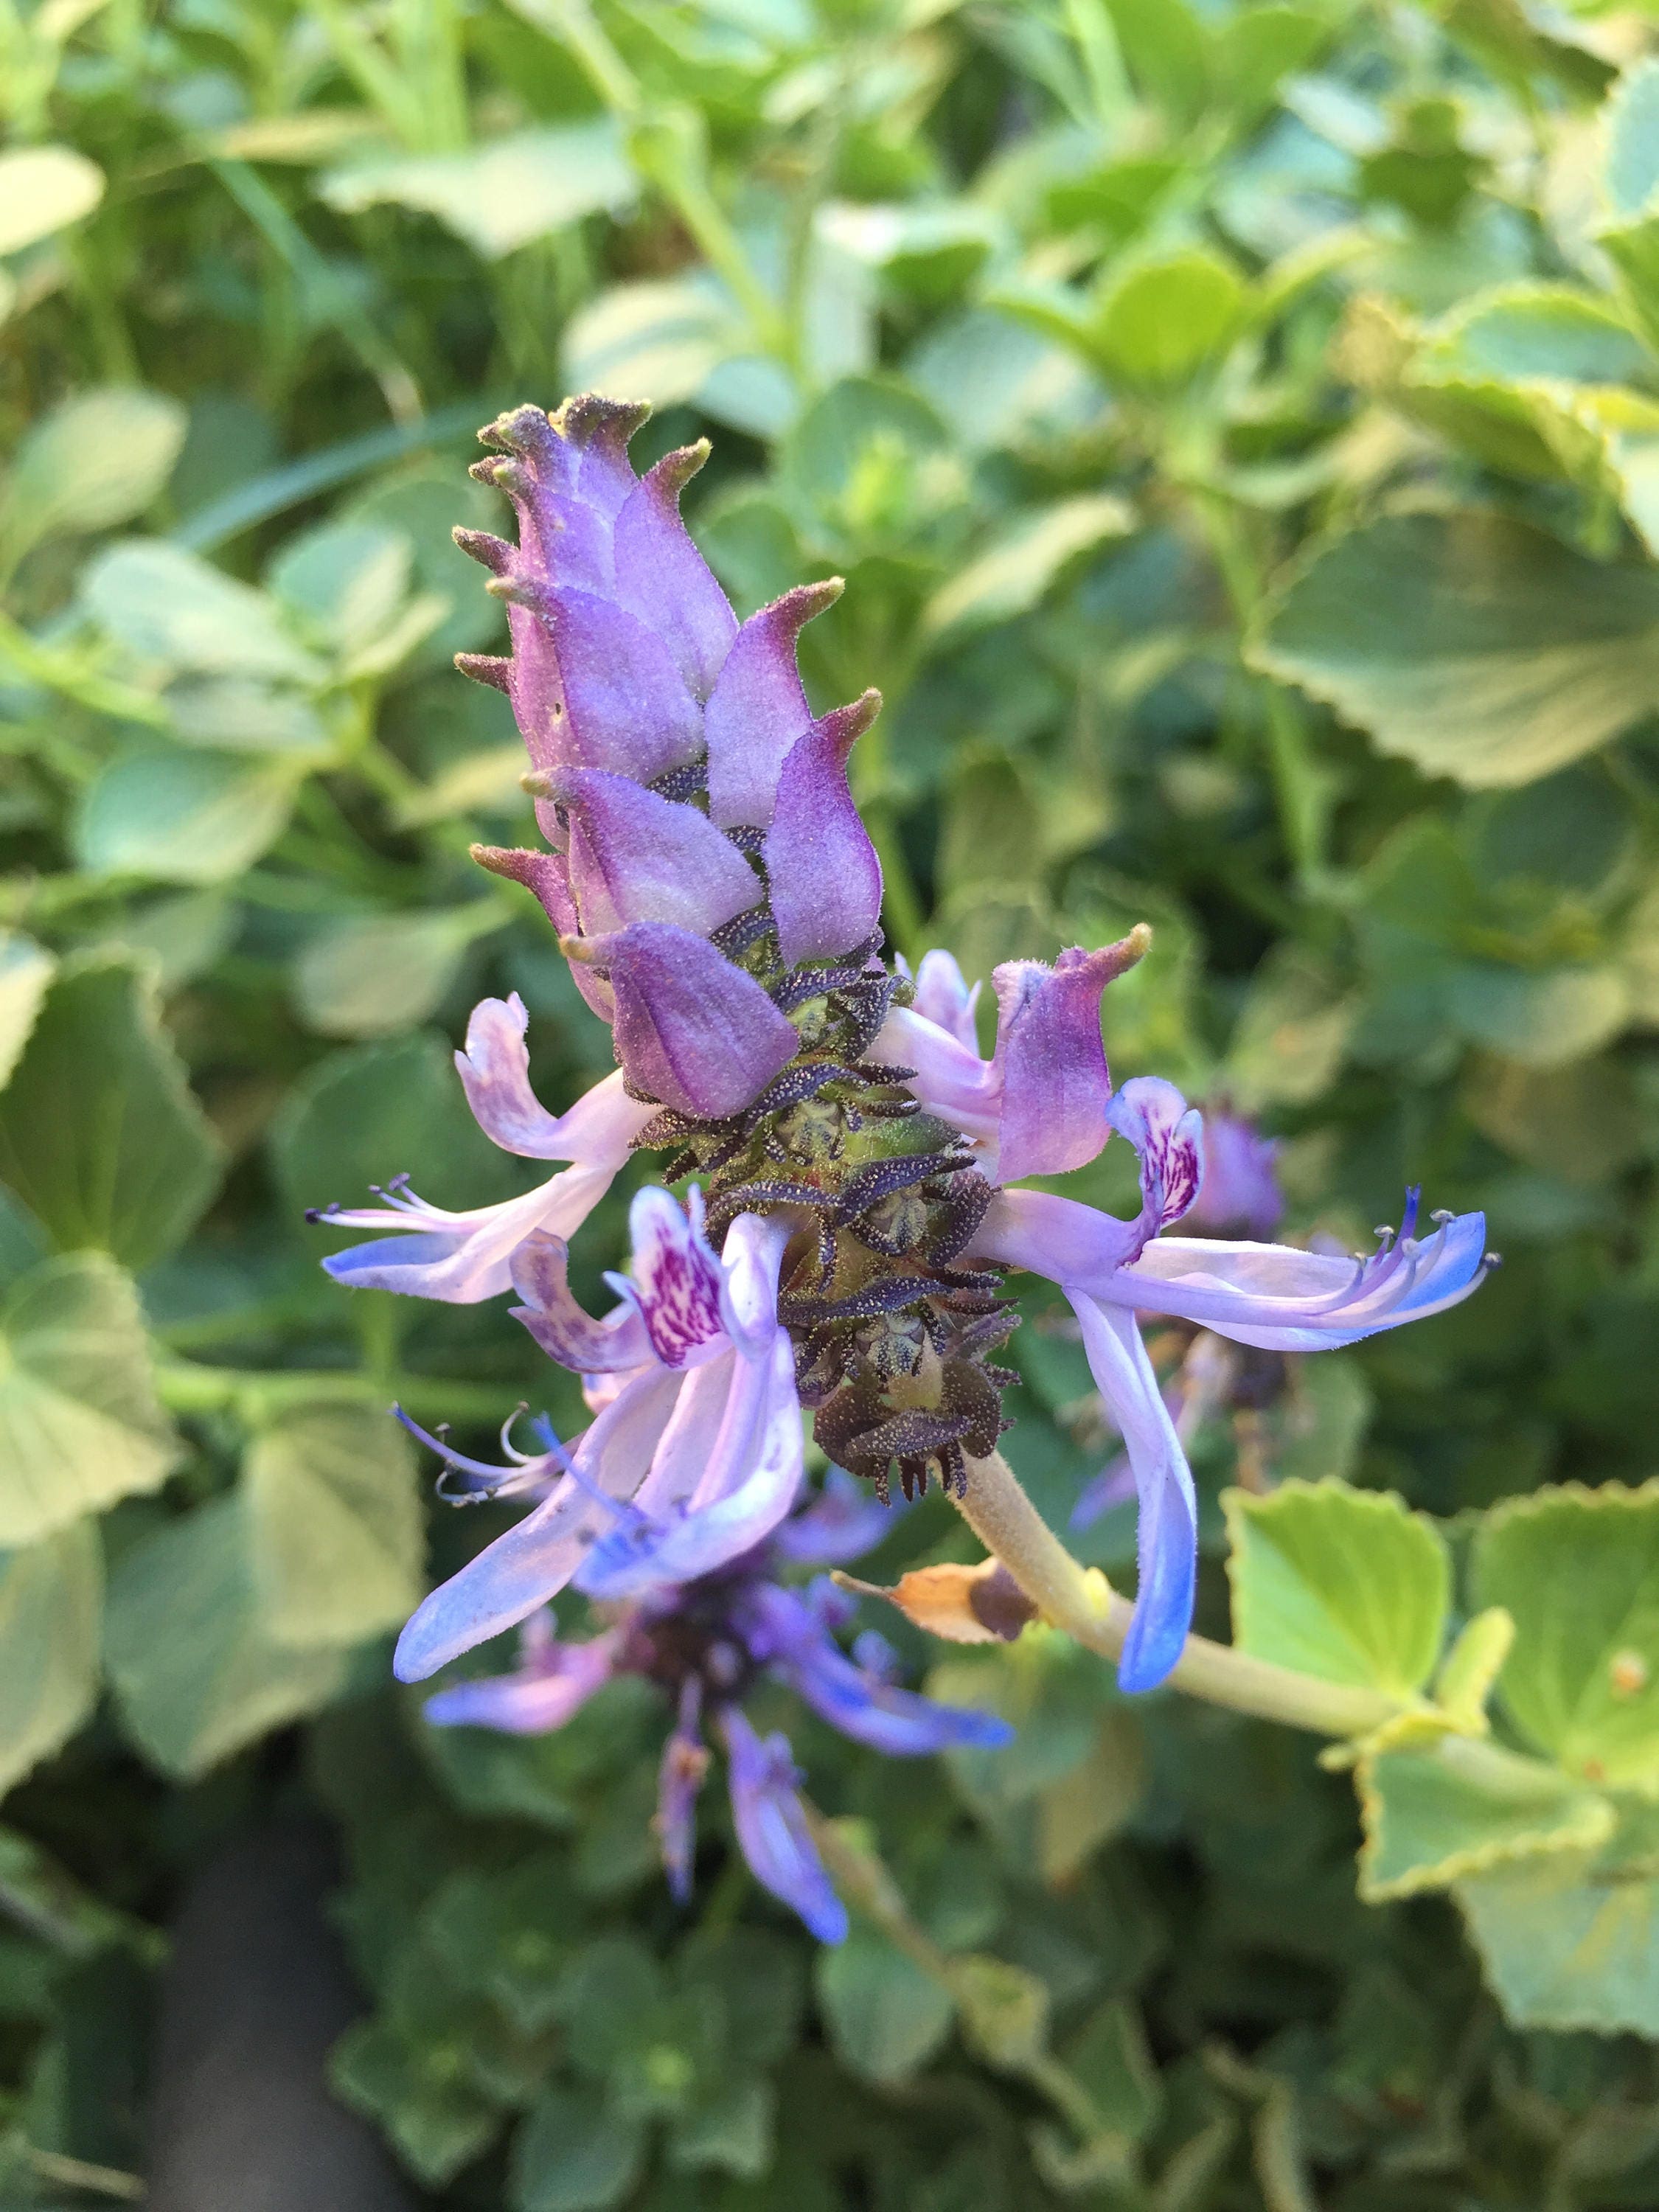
<point x="757" y="709"/>
<point x="692" y="1029"/>
<point x="823" y="868"/>
<point x="771" y="1830"/>
<point x="663" y="578"/>
<point x="1054" y="1082"/>
<point x="635" y="856"/>
<point x="547" y="875"/>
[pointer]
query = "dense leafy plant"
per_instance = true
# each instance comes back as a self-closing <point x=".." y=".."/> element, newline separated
<point x="1236" y="429"/>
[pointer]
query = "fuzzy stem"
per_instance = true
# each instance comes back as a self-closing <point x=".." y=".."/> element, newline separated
<point x="1082" y="1603"/>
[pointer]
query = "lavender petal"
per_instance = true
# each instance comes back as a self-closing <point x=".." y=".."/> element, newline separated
<point x="535" y="1559"/>
<point x="1055" y="1087"/>
<point x="663" y="578"/>
<point x="822" y="866"/>
<point x="771" y="1830"/>
<point x="1166" y="1531"/>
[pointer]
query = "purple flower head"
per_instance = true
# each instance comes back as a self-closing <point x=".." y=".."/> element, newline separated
<point x="706" y="870"/>
<point x="707" y="1642"/>
<point x="685" y="789"/>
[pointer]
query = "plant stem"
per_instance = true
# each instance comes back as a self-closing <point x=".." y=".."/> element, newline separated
<point x="1081" y="1602"/>
<point x="189" y="1386"/>
<point x="1296" y="775"/>
<point x="863" y="1881"/>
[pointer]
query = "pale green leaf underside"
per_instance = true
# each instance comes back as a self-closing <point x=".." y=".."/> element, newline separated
<point x="1343" y="1583"/>
<point x="335" y="1522"/>
<point x="79" y="1423"/>
<point x="1478" y="646"/>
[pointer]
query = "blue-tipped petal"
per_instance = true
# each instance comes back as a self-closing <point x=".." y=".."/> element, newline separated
<point x="771" y="1830"/>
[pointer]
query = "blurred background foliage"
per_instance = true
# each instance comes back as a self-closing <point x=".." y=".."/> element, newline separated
<point x="1239" y="426"/>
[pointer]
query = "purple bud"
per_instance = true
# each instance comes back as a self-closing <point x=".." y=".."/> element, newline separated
<point x="758" y="709"/>
<point x="692" y="1029"/>
<point x="1055" y="1087"/>
<point x="635" y="856"/>
<point x="663" y="578"/>
<point x="626" y="704"/>
<point x="823" y="868"/>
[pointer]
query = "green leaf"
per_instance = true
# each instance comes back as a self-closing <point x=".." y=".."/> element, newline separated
<point x="731" y="2133"/>
<point x="1319" y="1423"/>
<point x="97" y="459"/>
<point x="25" y="969"/>
<point x="1582" y="1123"/>
<point x="503" y="194"/>
<point x="382" y="974"/>
<point x="574" y="2156"/>
<point x="1432" y="1816"/>
<point x="885" y="2016"/>
<point x="166" y="605"/>
<point x="1346" y="1584"/>
<point x="100" y="1135"/>
<point x="868" y="465"/>
<point x="1579" y="1571"/>
<point x="1293" y="1031"/>
<point x="1571" y="1939"/>
<point x="1024" y="561"/>
<point x="51" y="1599"/>
<point x="1629" y="128"/>
<point x="346" y="580"/>
<point x="1156" y="323"/>
<point x="44" y="189"/>
<point x="182" y="817"/>
<point x="335" y="1525"/>
<point x="79" y="1423"/>
<point x="422" y="2095"/>
<point x="196" y="1673"/>
<point x="1477" y="647"/>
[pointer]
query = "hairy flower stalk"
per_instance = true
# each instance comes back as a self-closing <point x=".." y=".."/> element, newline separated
<point x="848" y="1225"/>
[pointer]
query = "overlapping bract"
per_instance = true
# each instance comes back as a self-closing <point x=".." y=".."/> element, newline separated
<point x="704" y="1641"/>
<point x="691" y="797"/>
